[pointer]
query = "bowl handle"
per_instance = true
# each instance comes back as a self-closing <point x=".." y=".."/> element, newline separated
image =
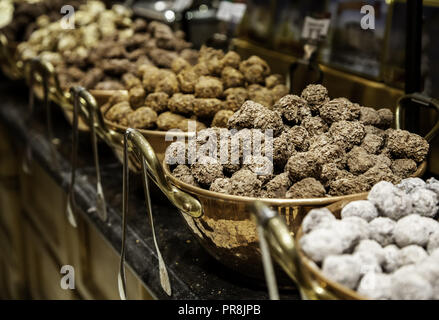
<point x="419" y="99"/>
<point x="285" y="251"/>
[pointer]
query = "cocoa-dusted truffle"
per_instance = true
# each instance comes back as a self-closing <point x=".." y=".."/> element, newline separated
<point x="235" y="97"/>
<point x="372" y="143"/>
<point x="168" y="84"/>
<point x="279" y="91"/>
<point x="293" y="108"/>
<point x="282" y="149"/>
<point x="314" y="125"/>
<point x="245" y="183"/>
<point x="208" y="87"/>
<point x="369" y="116"/>
<point x="268" y="120"/>
<point x="343" y="186"/>
<point x="181" y="103"/>
<point x="187" y="79"/>
<point x="273" y="80"/>
<point x="206" y="107"/>
<point x="179" y="64"/>
<point x="191" y="125"/>
<point x="260" y="94"/>
<point x="302" y="165"/>
<point x="183" y="173"/>
<point x="245" y="116"/>
<point x="347" y="133"/>
<point x="260" y="165"/>
<point x="316" y="95"/>
<point x="130" y="80"/>
<point x="403" y="167"/>
<point x="157" y="101"/>
<point x="386" y="118"/>
<point x="231" y="59"/>
<point x="119" y="112"/>
<point x="339" y="109"/>
<point x="232" y="77"/>
<point x="254" y="69"/>
<point x="168" y="120"/>
<point x="306" y="188"/>
<point x="221" y="185"/>
<point x="221" y="118"/>
<point x="142" y="118"/>
<point x="359" y="160"/>
<point x="331" y="171"/>
<point x="206" y="170"/>
<point x="403" y="144"/>
<point x="137" y="97"/>
<point x="278" y="186"/>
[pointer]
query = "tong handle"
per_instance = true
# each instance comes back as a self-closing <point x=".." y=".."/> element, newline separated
<point x="419" y="99"/>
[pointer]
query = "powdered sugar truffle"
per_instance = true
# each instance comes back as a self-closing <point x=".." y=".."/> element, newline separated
<point x="381" y="230"/>
<point x="362" y="208"/>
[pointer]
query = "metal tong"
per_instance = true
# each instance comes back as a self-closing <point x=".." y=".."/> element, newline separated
<point x="151" y="169"/>
<point x="284" y="250"/>
<point x="38" y="70"/>
<point x="85" y="103"/>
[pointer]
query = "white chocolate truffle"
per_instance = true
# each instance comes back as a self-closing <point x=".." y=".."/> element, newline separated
<point x="424" y="202"/>
<point x="433" y="185"/>
<point x="317" y="218"/>
<point x="349" y="232"/>
<point x="368" y="262"/>
<point x="391" y="253"/>
<point x="407" y="284"/>
<point x="411" y="255"/>
<point x="391" y="201"/>
<point x="433" y="242"/>
<point x="381" y="230"/>
<point x="377" y="286"/>
<point x="411" y="229"/>
<point x="344" y="269"/>
<point x="410" y="184"/>
<point x="362" y="208"/>
<point x="371" y="246"/>
<point x="321" y="243"/>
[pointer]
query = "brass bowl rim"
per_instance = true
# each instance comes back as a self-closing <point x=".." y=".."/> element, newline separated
<point x="271" y="201"/>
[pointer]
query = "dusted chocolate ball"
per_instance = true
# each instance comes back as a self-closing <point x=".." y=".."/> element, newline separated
<point x="260" y="165"/>
<point x="361" y="208"/>
<point x="403" y="167"/>
<point x="403" y="144"/>
<point x="157" y="101"/>
<point x="293" y="108"/>
<point x="245" y="116"/>
<point x="381" y="230"/>
<point x="339" y="109"/>
<point x="376" y="286"/>
<point x="191" y="125"/>
<point x="232" y="77"/>
<point x="273" y="80"/>
<point x="235" y="97"/>
<point x="359" y="160"/>
<point x="245" y="183"/>
<point x="314" y="125"/>
<point x="344" y="186"/>
<point x="206" y="108"/>
<point x="221" y="118"/>
<point x="321" y="243"/>
<point x="390" y="201"/>
<point x="187" y="79"/>
<point x="254" y="69"/>
<point x="407" y="284"/>
<point x="168" y="84"/>
<point x="206" y="170"/>
<point x="221" y="185"/>
<point x="168" y="120"/>
<point x="277" y="187"/>
<point x="369" y="116"/>
<point x="302" y="165"/>
<point x="344" y="269"/>
<point x="119" y="113"/>
<point x="347" y="133"/>
<point x="317" y="218"/>
<point x="183" y="173"/>
<point x="268" y="120"/>
<point x="142" y="118"/>
<point x="386" y="118"/>
<point x="331" y="171"/>
<point x="208" y="87"/>
<point x="411" y="229"/>
<point x="260" y="94"/>
<point x="306" y="188"/>
<point x="137" y="97"/>
<point x="231" y="59"/>
<point x="182" y="103"/>
<point x="372" y="143"/>
<point x="130" y="81"/>
<point x="179" y="64"/>
<point x="316" y="95"/>
<point x="279" y="91"/>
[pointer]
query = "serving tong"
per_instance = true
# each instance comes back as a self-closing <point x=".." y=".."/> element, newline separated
<point x="85" y="104"/>
<point x="151" y="168"/>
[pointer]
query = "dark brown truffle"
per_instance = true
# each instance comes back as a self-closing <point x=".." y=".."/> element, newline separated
<point x="208" y="87"/>
<point x="277" y="187"/>
<point x="316" y="95"/>
<point x="403" y="144"/>
<point x="157" y="101"/>
<point x="181" y="103"/>
<point x="314" y="125"/>
<point x="232" y="77"/>
<point x="183" y="173"/>
<point x="206" y="170"/>
<point x="293" y="108"/>
<point x="306" y="188"/>
<point x="245" y="183"/>
<point x="339" y="109"/>
<point x="403" y="167"/>
<point x="142" y="118"/>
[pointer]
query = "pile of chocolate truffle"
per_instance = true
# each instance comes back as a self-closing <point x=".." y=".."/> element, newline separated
<point x="208" y="92"/>
<point x="104" y="45"/>
<point x="385" y="247"/>
<point x="321" y="147"/>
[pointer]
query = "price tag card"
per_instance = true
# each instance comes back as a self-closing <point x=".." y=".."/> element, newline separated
<point x="231" y="12"/>
<point x="315" y="29"/>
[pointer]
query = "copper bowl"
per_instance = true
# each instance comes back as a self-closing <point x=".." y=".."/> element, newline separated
<point x="227" y="231"/>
